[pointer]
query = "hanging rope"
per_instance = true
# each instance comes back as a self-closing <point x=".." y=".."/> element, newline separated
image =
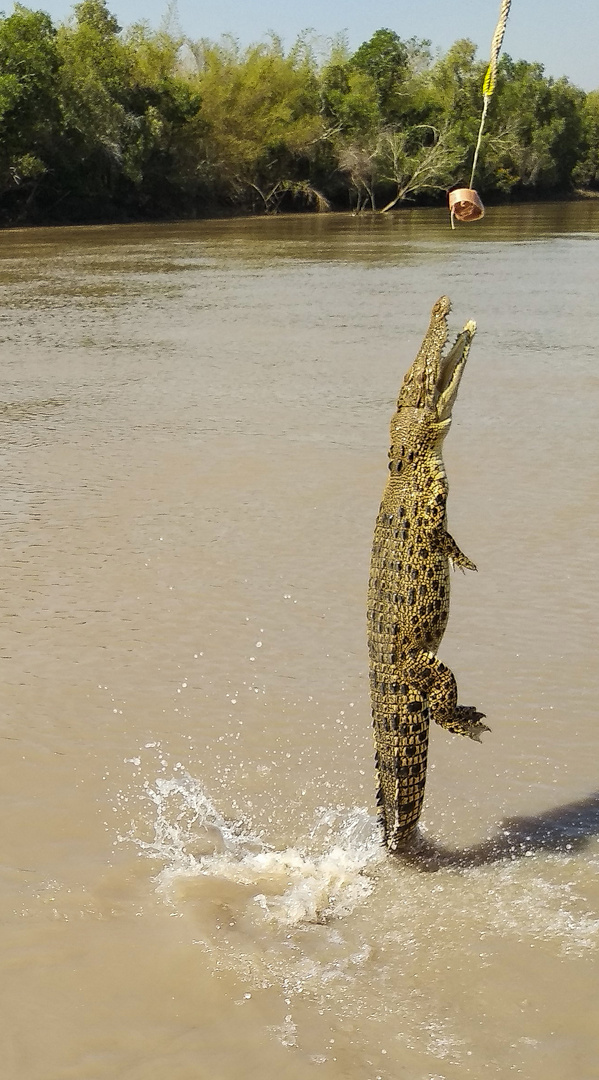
<point x="491" y="75"/>
<point x="465" y="203"/>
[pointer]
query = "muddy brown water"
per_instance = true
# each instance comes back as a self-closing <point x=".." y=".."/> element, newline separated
<point x="194" y="423"/>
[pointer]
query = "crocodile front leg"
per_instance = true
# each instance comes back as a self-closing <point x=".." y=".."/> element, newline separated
<point x="434" y="518"/>
<point x="448" y="546"/>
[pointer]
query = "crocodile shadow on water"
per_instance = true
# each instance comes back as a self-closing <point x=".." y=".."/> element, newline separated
<point x="563" y="830"/>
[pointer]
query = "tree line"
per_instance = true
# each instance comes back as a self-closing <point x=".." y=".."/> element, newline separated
<point x="97" y="123"/>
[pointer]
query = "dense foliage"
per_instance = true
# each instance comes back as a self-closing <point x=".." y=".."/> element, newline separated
<point x="97" y="123"/>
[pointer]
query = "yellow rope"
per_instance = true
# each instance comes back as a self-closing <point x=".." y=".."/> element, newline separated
<point x="491" y="75"/>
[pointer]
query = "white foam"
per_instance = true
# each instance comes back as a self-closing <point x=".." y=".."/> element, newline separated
<point x="292" y="887"/>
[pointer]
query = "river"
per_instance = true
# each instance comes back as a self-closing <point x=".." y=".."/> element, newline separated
<point x="194" y="426"/>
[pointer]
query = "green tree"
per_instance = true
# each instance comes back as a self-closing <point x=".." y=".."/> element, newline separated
<point x="167" y="104"/>
<point x="535" y="130"/>
<point x="427" y="151"/>
<point x="384" y="58"/>
<point x="132" y="128"/>
<point x="349" y="101"/>
<point x="263" y="120"/>
<point x="101" y="134"/>
<point x="586" y="171"/>
<point x="29" y="107"/>
<point x="350" y="107"/>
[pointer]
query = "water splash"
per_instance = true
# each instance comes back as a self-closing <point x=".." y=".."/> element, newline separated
<point x="324" y="881"/>
<point x="334" y="924"/>
<point x="185" y="824"/>
<point x="238" y="885"/>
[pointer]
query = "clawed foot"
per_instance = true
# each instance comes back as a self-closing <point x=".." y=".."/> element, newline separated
<point x="463" y="562"/>
<point x="448" y="545"/>
<point x="467" y="721"/>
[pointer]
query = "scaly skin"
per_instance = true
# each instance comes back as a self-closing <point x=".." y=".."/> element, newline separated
<point x="408" y="592"/>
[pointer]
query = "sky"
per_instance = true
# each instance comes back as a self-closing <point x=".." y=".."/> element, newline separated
<point x="564" y="37"/>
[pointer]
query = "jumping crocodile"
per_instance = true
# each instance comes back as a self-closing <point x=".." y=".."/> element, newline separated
<point x="408" y="593"/>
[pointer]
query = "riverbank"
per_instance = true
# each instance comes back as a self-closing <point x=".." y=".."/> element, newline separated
<point x="100" y="124"/>
<point x="236" y="214"/>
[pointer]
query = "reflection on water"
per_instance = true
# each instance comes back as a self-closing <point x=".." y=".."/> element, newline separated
<point x="166" y="250"/>
<point x="194" y="422"/>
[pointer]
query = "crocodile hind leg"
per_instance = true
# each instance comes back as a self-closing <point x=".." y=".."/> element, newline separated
<point x="431" y="677"/>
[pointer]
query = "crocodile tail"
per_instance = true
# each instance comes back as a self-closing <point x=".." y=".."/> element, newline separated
<point x="401" y="761"/>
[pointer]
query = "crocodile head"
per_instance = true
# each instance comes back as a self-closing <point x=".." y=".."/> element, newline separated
<point x="430" y="387"/>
